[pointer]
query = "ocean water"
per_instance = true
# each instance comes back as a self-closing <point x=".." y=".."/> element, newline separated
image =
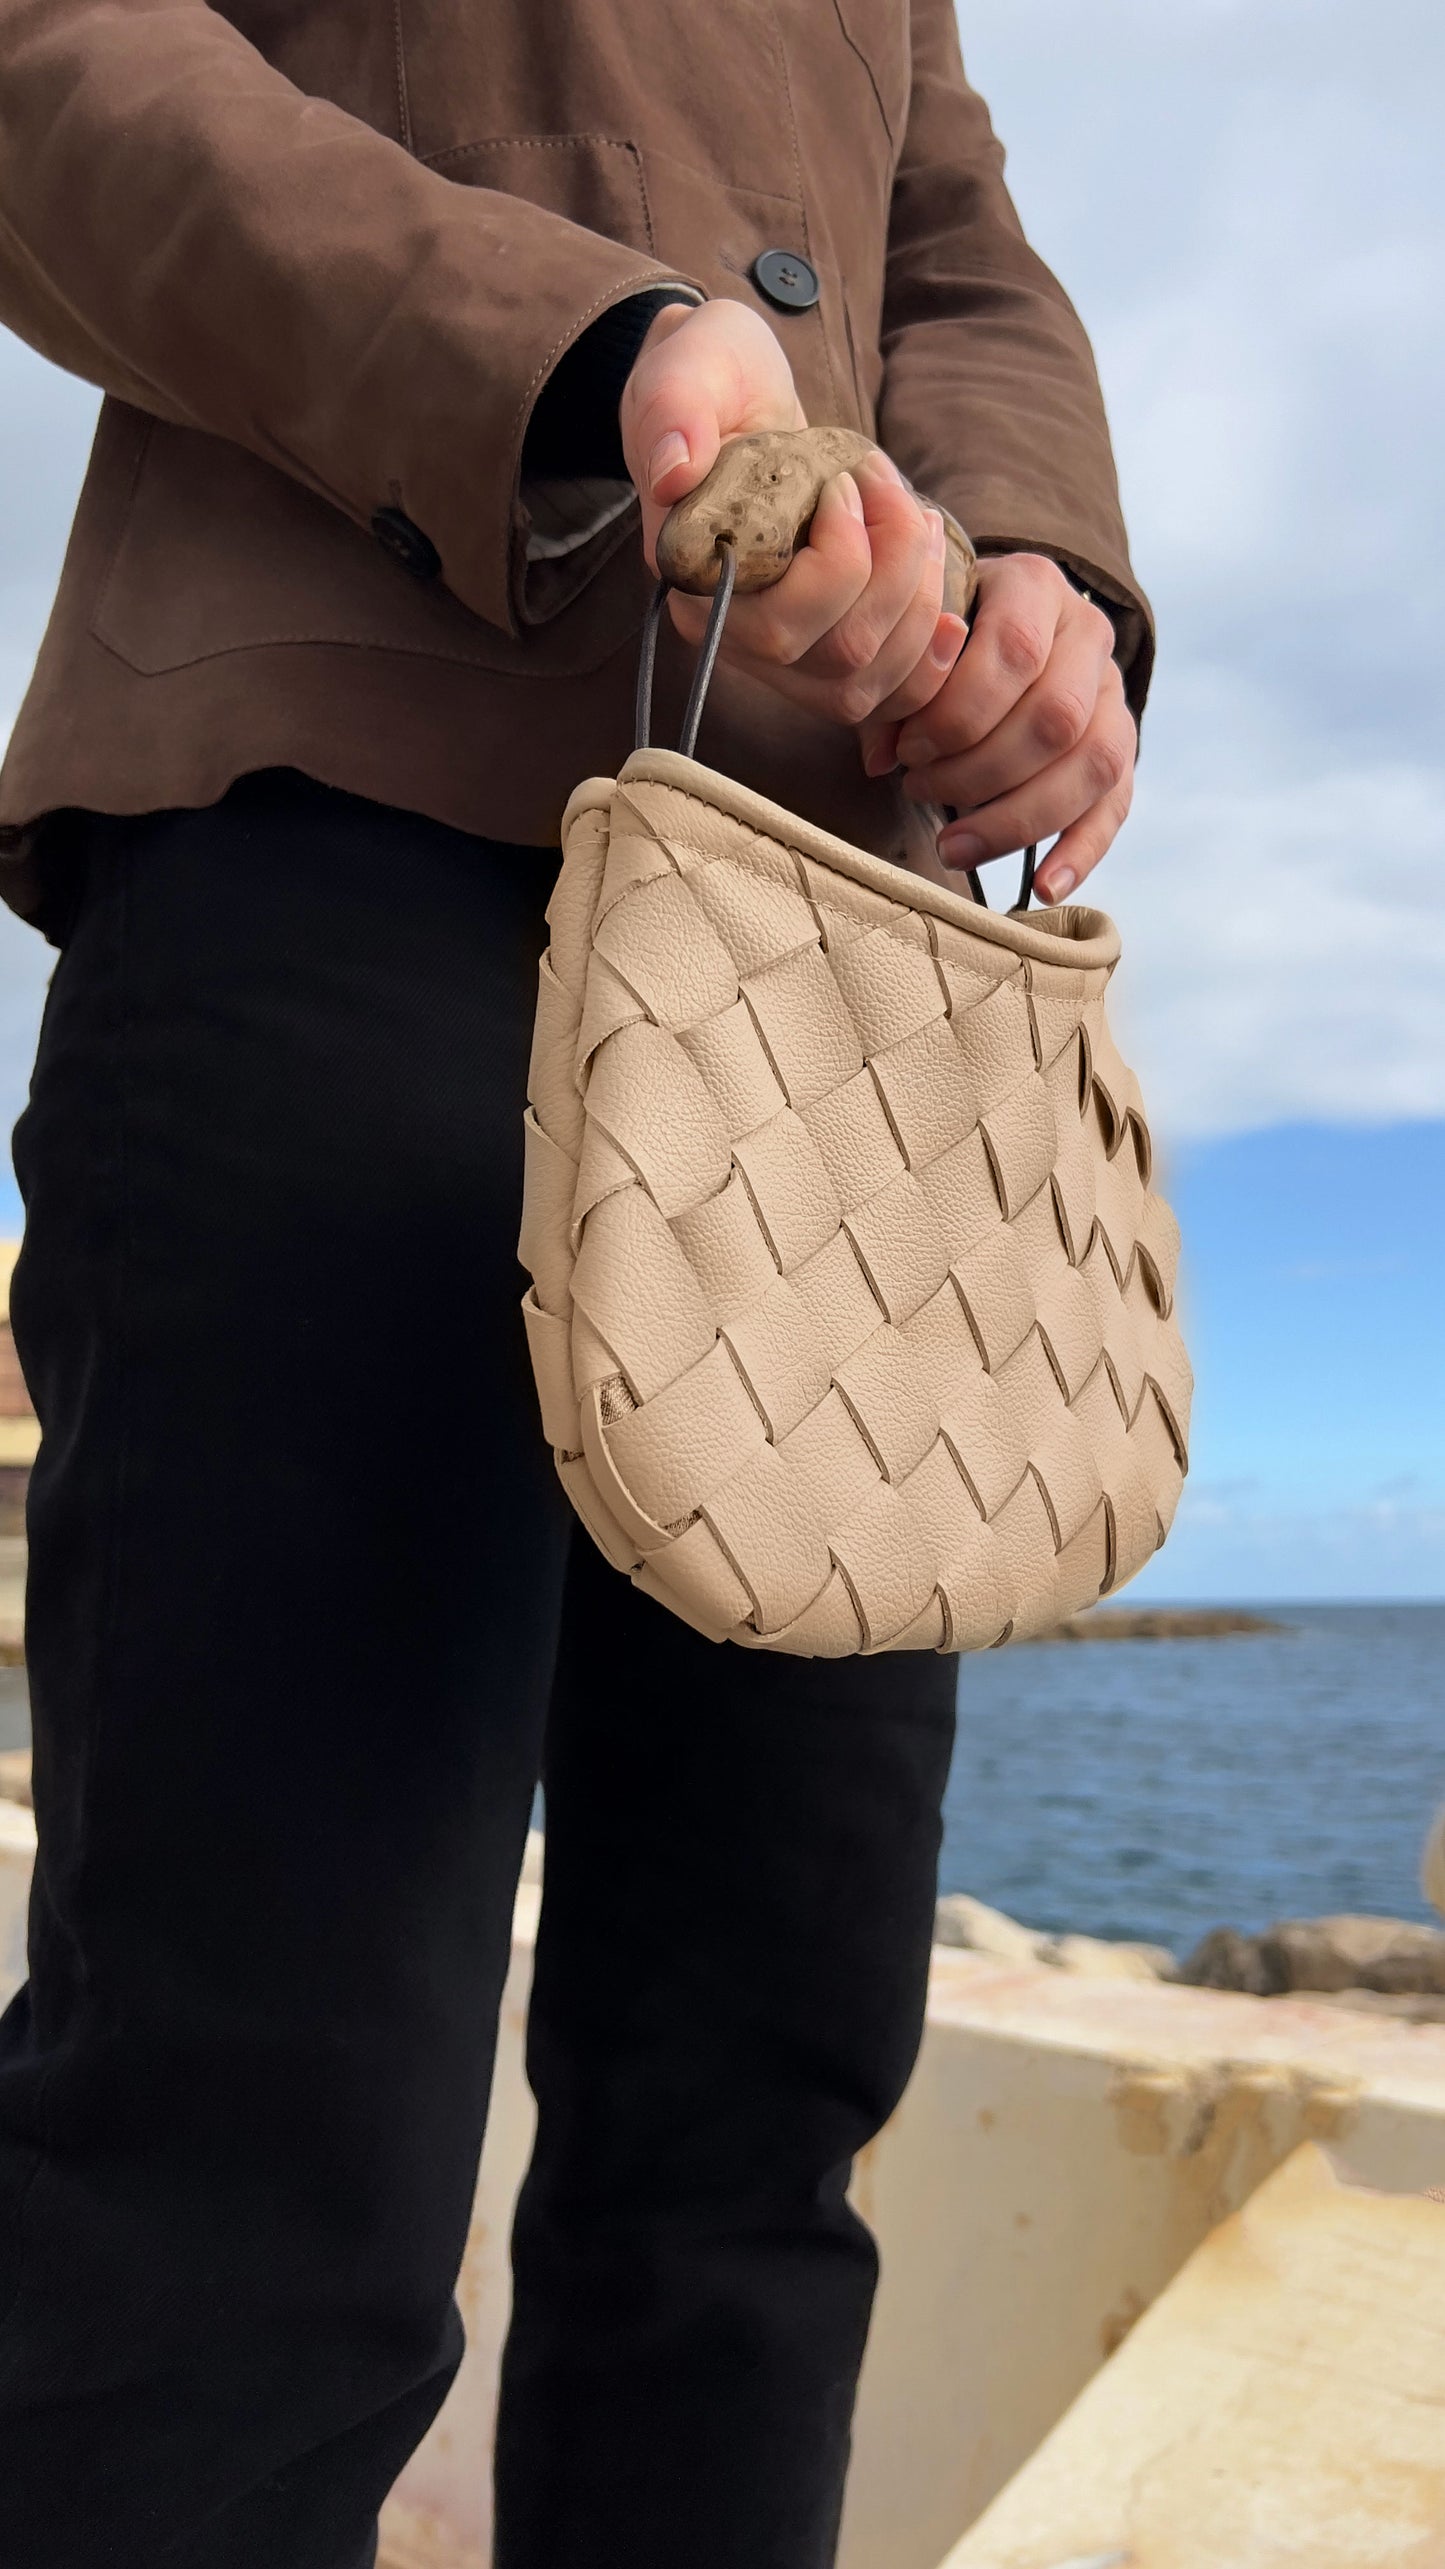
<point x="1158" y="1789"/>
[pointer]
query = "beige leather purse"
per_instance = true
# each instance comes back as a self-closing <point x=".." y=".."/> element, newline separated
<point x="852" y="1309"/>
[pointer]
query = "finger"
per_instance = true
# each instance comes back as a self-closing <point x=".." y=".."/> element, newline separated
<point x="1079" y="849"/>
<point x="859" y="655"/>
<point x="905" y="580"/>
<point x="1021" y="600"/>
<point x="853" y="697"/>
<point x="774" y="627"/>
<point x="1050" y="719"/>
<point x="1050" y="802"/>
<point x="878" y="739"/>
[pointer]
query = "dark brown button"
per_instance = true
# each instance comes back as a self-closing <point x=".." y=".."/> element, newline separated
<point x="787" y="279"/>
<point x="413" y="550"/>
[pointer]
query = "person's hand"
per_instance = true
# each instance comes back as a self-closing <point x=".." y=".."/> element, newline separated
<point x="1028" y="735"/>
<point x="852" y="622"/>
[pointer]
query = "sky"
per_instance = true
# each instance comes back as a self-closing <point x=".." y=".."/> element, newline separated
<point x="1245" y="198"/>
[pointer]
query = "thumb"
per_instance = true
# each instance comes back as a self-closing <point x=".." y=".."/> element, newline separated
<point x="703" y="375"/>
<point x="675" y="431"/>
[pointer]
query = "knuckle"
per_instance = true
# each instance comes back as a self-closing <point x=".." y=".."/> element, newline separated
<point x="855" y="647"/>
<point x="771" y="638"/>
<point x="1020" y="647"/>
<point x="1045" y="570"/>
<point x="1105" y="762"/>
<point x="1060" y="720"/>
<point x="856" y="699"/>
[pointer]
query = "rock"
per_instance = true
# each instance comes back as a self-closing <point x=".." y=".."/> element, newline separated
<point x="1432" y="1863"/>
<point x="1389" y="1954"/>
<point x="961" y="1921"/>
<point x="15" y="1776"/>
<point x="1224" y="1959"/>
<point x="1318" y="1955"/>
<point x="1098" y="1959"/>
<point x="1158" y="1623"/>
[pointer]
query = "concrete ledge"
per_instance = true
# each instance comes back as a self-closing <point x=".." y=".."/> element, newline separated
<point x="1284" y="2400"/>
<point x="1065" y="2146"/>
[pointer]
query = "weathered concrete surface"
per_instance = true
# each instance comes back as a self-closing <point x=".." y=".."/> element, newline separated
<point x="12" y="1587"/>
<point x="1064" y="2148"/>
<point x="17" y="1861"/>
<point x="1281" y="2406"/>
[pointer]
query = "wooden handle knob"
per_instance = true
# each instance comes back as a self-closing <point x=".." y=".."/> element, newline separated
<point x="760" y="495"/>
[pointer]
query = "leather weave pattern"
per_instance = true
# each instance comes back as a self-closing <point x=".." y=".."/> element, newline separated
<point x="852" y="1309"/>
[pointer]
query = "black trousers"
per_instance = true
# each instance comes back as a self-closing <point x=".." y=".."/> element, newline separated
<point x="307" y="1618"/>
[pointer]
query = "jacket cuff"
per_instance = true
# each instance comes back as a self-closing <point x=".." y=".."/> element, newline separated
<point x="458" y="497"/>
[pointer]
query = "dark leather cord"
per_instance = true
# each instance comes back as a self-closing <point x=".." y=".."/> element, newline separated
<point x="702" y="679"/>
<point x="707" y="657"/>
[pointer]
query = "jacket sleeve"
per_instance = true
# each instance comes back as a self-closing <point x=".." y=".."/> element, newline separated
<point x="183" y="227"/>
<point x="990" y="397"/>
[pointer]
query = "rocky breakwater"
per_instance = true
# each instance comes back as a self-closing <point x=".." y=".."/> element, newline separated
<point x="962" y="1921"/>
<point x="1384" y="1966"/>
<point x="1160" y="1623"/>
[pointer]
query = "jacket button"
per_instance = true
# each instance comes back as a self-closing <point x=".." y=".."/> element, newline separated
<point x="786" y="279"/>
<point x="413" y="550"/>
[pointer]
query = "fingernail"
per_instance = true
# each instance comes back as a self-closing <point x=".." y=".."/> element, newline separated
<point x="961" y="847"/>
<point x="880" y="760"/>
<point x="947" y="641"/>
<point x="1058" y="884"/>
<point x="921" y="751"/>
<point x="852" y="497"/>
<point x="669" y="450"/>
<point x="936" y="538"/>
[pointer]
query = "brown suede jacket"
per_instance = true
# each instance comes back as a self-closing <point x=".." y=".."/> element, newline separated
<point x="323" y="256"/>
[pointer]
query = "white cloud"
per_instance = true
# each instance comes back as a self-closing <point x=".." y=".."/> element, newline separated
<point x="1285" y="952"/>
<point x="1246" y="202"/>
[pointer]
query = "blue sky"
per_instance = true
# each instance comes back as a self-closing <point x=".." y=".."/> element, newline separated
<point x="1312" y="1306"/>
<point x="1246" y="199"/>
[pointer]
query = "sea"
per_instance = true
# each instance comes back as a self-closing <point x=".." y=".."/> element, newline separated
<point x="1156" y="1789"/>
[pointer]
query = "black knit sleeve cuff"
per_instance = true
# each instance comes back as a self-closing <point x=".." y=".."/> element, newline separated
<point x="573" y="430"/>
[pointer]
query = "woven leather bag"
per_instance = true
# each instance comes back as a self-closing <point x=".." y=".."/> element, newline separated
<point x="852" y="1307"/>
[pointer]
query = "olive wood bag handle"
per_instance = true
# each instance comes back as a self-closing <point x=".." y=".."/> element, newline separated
<point x="739" y="530"/>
